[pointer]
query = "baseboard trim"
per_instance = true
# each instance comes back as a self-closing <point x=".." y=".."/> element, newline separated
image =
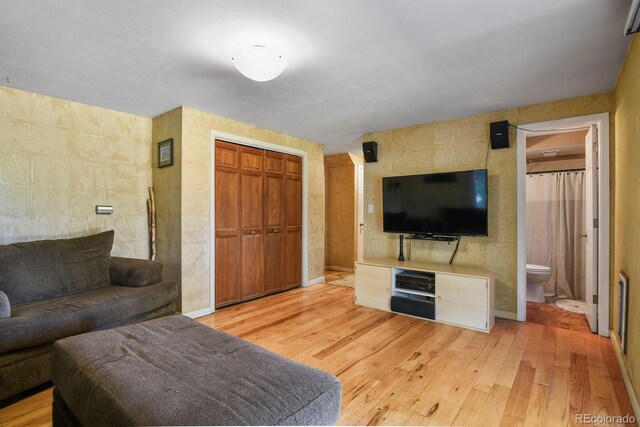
<point x="200" y="313"/>
<point x="314" y="281"/>
<point x="208" y="310"/>
<point x="334" y="268"/>
<point x="506" y="314"/>
<point x="617" y="348"/>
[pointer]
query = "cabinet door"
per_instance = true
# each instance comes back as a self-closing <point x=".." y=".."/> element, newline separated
<point x="274" y="234"/>
<point x="373" y="286"/>
<point x="462" y="300"/>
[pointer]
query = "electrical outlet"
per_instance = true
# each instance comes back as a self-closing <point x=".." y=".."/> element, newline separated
<point x="370" y="208"/>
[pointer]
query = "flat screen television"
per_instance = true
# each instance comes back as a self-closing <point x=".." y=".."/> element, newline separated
<point x="448" y="204"/>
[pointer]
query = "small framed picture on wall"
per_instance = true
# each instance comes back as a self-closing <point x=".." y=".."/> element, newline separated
<point x="165" y="153"/>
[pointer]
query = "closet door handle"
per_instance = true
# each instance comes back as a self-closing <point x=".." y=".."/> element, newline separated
<point x="582" y="235"/>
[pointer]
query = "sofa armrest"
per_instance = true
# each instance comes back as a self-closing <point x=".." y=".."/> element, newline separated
<point x="5" y="307"/>
<point x="134" y="272"/>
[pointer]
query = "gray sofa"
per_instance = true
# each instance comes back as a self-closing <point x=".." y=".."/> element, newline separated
<point x="52" y="289"/>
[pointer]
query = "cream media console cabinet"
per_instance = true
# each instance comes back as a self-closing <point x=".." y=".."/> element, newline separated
<point x="462" y="296"/>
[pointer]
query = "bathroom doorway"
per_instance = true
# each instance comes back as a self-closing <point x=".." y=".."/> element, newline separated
<point x="563" y="197"/>
<point x="555" y="226"/>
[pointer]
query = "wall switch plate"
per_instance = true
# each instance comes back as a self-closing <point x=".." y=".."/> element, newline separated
<point x="104" y="210"/>
<point x="370" y="208"/>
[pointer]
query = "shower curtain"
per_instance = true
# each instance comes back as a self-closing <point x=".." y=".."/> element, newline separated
<point x="555" y="223"/>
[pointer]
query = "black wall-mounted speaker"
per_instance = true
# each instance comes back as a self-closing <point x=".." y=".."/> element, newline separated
<point x="370" y="150"/>
<point x="499" y="134"/>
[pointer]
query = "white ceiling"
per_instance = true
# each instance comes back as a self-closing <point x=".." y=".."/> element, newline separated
<point x="565" y="143"/>
<point x="563" y="151"/>
<point x="355" y="66"/>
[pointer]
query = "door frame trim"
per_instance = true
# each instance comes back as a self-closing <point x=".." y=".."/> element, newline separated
<point x="359" y="218"/>
<point x="602" y="121"/>
<point x="249" y="142"/>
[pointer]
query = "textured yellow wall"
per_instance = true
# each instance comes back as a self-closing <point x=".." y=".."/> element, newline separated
<point x="167" y="182"/>
<point x="194" y="212"/>
<point x="59" y="159"/>
<point x="340" y="210"/>
<point x="627" y="204"/>
<point x="462" y="144"/>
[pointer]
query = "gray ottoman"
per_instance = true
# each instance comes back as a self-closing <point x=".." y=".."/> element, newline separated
<point x="175" y="371"/>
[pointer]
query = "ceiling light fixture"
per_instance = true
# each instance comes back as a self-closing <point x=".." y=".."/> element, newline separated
<point x="259" y="63"/>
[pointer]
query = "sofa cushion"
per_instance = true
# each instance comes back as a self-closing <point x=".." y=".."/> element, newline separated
<point x="134" y="272"/>
<point x="48" y="320"/>
<point x="32" y="271"/>
<point x="175" y="371"/>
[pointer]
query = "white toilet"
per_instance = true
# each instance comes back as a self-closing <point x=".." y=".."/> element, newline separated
<point x="537" y="276"/>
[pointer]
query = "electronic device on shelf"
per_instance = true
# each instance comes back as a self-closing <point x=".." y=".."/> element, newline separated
<point x="414" y="294"/>
<point x="416" y="281"/>
<point x="439" y="205"/>
<point x="438" y="237"/>
<point x="415" y="305"/>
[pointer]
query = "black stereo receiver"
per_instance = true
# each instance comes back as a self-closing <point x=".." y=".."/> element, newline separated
<point x="415" y="281"/>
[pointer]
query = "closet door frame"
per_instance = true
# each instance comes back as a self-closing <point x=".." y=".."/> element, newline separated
<point x="254" y="143"/>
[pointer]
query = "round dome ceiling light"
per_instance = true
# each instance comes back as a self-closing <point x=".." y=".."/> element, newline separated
<point x="259" y="63"/>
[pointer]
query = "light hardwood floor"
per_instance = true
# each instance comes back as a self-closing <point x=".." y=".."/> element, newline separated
<point x="549" y="314"/>
<point x="400" y="370"/>
<point x="331" y="275"/>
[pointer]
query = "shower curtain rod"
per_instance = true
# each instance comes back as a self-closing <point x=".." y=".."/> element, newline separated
<point x="555" y="171"/>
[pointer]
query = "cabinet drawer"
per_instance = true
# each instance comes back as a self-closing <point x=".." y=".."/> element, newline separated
<point x="373" y="286"/>
<point x="462" y="300"/>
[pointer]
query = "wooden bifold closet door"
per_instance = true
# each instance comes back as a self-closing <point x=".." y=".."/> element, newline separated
<point x="251" y="220"/>
<point x="227" y="217"/>
<point x="258" y="230"/>
<point x="274" y="213"/>
<point x="293" y="204"/>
